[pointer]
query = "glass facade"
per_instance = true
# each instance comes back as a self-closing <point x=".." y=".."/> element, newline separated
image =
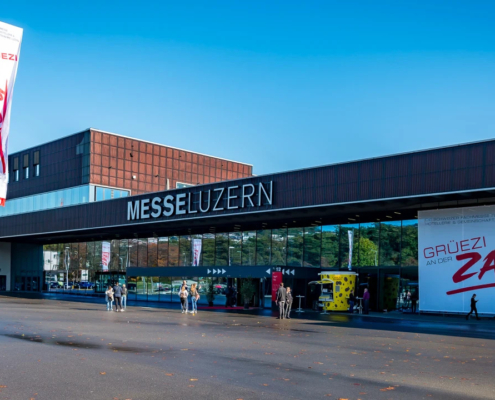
<point x="60" y="198"/>
<point x="380" y="250"/>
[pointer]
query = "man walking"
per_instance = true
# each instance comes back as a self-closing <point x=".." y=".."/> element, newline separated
<point x="473" y="307"/>
<point x="117" y="294"/>
<point x="281" y="297"/>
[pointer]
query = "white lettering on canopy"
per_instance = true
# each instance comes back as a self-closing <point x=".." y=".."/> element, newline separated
<point x="224" y="198"/>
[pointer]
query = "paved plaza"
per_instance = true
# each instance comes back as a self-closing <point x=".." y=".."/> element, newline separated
<point x="53" y="349"/>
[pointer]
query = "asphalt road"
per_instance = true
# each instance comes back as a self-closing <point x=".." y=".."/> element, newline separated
<point x="52" y="349"/>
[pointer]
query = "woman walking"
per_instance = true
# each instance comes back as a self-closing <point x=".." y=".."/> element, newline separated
<point x="124" y="297"/>
<point x="183" y="298"/>
<point x="194" y="298"/>
<point x="109" y="298"/>
<point x="288" y="303"/>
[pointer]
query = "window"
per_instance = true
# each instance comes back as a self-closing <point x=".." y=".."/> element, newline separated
<point x="16" y="169"/>
<point x="263" y="246"/>
<point x="36" y="163"/>
<point x="279" y="246"/>
<point x="248" y="248"/>
<point x="312" y="246"/>
<point x="330" y="246"/>
<point x="235" y="248"/>
<point x="180" y="185"/>
<point x="294" y="247"/>
<point x="25" y="166"/>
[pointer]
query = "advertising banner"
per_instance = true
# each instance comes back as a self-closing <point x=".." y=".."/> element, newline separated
<point x="105" y="255"/>
<point x="196" y="251"/>
<point x="276" y="281"/>
<point x="10" y="48"/>
<point x="457" y="259"/>
<point x="351" y="244"/>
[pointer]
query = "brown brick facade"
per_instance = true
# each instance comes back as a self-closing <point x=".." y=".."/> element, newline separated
<point x="116" y="159"/>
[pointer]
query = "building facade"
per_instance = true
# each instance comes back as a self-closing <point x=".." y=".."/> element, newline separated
<point x="364" y="216"/>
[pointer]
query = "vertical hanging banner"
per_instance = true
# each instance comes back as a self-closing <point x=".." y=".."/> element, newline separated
<point x="105" y="255"/>
<point x="276" y="281"/>
<point x="196" y="249"/>
<point x="10" y="48"/>
<point x="351" y="245"/>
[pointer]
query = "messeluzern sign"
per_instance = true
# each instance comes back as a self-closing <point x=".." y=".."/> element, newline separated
<point x="202" y="202"/>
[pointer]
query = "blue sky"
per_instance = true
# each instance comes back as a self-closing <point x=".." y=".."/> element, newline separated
<point x="280" y="84"/>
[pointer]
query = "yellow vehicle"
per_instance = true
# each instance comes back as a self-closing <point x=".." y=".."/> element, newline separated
<point x="336" y="287"/>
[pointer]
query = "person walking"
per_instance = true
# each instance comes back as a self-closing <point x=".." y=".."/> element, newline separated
<point x="288" y="303"/>
<point x="109" y="298"/>
<point x="414" y="301"/>
<point x="366" y="301"/>
<point x="280" y="301"/>
<point x="117" y="294"/>
<point x="473" y="307"/>
<point x="194" y="299"/>
<point x="183" y="298"/>
<point x="124" y="297"/>
<point x="352" y="300"/>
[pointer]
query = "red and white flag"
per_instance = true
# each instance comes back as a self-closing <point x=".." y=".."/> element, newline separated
<point x="10" y="48"/>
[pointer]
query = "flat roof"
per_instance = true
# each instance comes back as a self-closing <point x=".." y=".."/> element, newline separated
<point x="132" y="138"/>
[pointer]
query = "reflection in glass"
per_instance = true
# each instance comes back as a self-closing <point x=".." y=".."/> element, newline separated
<point x="142" y="288"/>
<point x="279" y="246"/>
<point x="263" y="246"/>
<point x="390" y="243"/>
<point x="221" y="249"/>
<point x="97" y="258"/>
<point x="208" y="250"/>
<point x="131" y="288"/>
<point x="294" y="247"/>
<point x="153" y="284"/>
<point x="152" y="252"/>
<point x="235" y="246"/>
<point x="165" y="289"/>
<point x="114" y="255"/>
<point x="344" y="245"/>
<point x="312" y="246"/>
<point x="409" y="255"/>
<point x="369" y="237"/>
<point x="133" y="252"/>
<point x="173" y="251"/>
<point x="330" y="246"/>
<point x="163" y="251"/>
<point x="185" y="251"/>
<point x="123" y="254"/>
<point x="249" y="248"/>
<point x="142" y="252"/>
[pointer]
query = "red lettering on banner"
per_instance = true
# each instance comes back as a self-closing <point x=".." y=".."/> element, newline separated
<point x="473" y="259"/>
<point x="489" y="264"/>
<point x="8" y="56"/>
<point x="477" y="240"/>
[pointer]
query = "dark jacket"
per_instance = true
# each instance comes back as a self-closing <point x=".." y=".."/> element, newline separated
<point x="281" y="294"/>
<point x="473" y="303"/>
<point x="124" y="291"/>
<point x="117" y="291"/>
<point x="352" y="297"/>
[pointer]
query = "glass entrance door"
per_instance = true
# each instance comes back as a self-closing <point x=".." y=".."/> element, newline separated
<point x="108" y="278"/>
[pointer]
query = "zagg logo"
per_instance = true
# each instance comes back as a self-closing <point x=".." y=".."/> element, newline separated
<point x="7" y="56"/>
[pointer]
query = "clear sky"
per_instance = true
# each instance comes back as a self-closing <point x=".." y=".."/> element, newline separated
<point x="277" y="84"/>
